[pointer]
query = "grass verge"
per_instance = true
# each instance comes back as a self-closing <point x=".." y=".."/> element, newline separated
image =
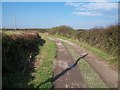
<point x="44" y="64"/>
<point x="90" y="76"/>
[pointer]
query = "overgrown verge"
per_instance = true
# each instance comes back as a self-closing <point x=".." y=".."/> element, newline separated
<point x="19" y="49"/>
<point x="103" y="38"/>
<point x="44" y="65"/>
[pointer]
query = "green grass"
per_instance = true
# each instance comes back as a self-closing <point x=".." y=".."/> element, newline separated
<point x="112" y="60"/>
<point x="90" y="76"/>
<point x="44" y="69"/>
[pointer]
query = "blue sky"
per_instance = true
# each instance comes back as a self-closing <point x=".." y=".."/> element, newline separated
<point x="50" y="14"/>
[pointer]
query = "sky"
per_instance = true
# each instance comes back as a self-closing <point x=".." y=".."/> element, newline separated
<point x="87" y="14"/>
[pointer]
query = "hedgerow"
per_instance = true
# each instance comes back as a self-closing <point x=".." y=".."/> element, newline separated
<point x="18" y="53"/>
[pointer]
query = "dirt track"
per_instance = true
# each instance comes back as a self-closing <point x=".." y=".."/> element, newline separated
<point x="109" y="76"/>
<point x="71" y="79"/>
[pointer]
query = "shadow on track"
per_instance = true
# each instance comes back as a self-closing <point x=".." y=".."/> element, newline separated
<point x="53" y="79"/>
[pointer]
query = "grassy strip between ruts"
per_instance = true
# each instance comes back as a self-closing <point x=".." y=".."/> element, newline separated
<point x="90" y="76"/>
<point x="44" y="64"/>
<point x="110" y="59"/>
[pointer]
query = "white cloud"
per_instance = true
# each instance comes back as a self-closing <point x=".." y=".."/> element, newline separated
<point x="87" y="13"/>
<point x="97" y="6"/>
<point x="94" y="8"/>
